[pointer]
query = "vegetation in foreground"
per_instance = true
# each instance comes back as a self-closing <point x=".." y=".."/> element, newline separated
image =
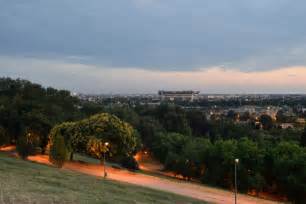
<point x="27" y="182"/>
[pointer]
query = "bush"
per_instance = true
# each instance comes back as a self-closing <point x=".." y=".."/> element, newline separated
<point x="129" y="163"/>
<point x="57" y="154"/>
<point x="24" y="147"/>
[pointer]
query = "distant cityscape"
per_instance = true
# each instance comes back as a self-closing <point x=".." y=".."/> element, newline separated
<point x="218" y="105"/>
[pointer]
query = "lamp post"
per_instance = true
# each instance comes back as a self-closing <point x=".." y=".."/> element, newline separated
<point x="236" y="163"/>
<point x="106" y="145"/>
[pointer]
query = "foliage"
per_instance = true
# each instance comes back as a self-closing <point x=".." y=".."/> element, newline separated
<point x="26" y="105"/>
<point x="250" y="166"/>
<point x="266" y="121"/>
<point x="129" y="163"/>
<point x="126" y="114"/>
<point x="198" y="123"/>
<point x="173" y="119"/>
<point x="96" y="147"/>
<point x="89" y="136"/>
<point x="26" y="145"/>
<point x="149" y="128"/>
<point x="261" y="166"/>
<point x="303" y="138"/>
<point x="171" y="142"/>
<point x="57" y="153"/>
<point x="4" y="137"/>
<point x="190" y="162"/>
<point x="219" y="161"/>
<point x="290" y="170"/>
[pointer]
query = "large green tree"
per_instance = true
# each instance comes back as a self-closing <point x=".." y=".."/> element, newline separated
<point x="25" y="105"/>
<point x="251" y="158"/>
<point x="101" y="128"/>
<point x="289" y="165"/>
<point x="303" y="138"/>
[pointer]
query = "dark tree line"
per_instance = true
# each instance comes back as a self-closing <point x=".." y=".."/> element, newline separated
<point x="28" y="109"/>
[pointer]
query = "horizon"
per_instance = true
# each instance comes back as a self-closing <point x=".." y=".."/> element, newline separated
<point x="156" y="92"/>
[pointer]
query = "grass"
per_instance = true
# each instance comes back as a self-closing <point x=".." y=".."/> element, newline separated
<point x="90" y="160"/>
<point x="84" y="158"/>
<point x="27" y="182"/>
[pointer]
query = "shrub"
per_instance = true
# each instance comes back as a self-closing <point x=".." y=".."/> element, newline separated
<point x="129" y="163"/>
<point x="25" y="147"/>
<point x="58" y="151"/>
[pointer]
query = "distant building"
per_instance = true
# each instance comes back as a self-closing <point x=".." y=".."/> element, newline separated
<point x="300" y="120"/>
<point x="179" y="95"/>
<point x="286" y="125"/>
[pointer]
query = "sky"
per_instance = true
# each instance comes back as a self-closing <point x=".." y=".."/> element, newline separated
<point x="142" y="46"/>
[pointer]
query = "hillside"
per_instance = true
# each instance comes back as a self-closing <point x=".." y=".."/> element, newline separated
<point x="27" y="182"/>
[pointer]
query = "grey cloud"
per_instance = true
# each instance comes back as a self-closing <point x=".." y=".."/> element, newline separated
<point x="155" y="34"/>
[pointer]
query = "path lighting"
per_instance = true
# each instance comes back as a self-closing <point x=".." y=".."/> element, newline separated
<point x="236" y="164"/>
<point x="106" y="144"/>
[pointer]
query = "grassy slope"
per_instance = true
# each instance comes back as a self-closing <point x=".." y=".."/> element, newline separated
<point x="26" y="182"/>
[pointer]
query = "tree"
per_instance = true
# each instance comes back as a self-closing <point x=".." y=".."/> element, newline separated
<point x="173" y="119"/>
<point x="4" y="137"/>
<point x="219" y="160"/>
<point x="289" y="165"/>
<point x="266" y="121"/>
<point x="192" y="157"/>
<point x="39" y="125"/>
<point x="29" y="105"/>
<point x="303" y="138"/>
<point x="198" y="123"/>
<point x="25" y="146"/>
<point x="165" y="143"/>
<point x="121" y="136"/>
<point x="149" y="128"/>
<point x="129" y="163"/>
<point x="251" y="160"/>
<point x="57" y="153"/>
<point x="126" y="114"/>
<point x="97" y="147"/>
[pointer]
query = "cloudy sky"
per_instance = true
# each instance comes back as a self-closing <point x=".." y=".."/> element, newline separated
<point x="141" y="46"/>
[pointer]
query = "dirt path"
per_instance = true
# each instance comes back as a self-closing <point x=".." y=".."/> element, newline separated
<point x="175" y="186"/>
<point x="170" y="185"/>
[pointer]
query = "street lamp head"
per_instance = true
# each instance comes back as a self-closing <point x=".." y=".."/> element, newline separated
<point x="236" y="161"/>
<point x="106" y="143"/>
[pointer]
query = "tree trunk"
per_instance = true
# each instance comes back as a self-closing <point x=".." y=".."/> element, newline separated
<point x="71" y="156"/>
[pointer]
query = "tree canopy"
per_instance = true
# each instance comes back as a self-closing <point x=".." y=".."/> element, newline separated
<point x="89" y="136"/>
